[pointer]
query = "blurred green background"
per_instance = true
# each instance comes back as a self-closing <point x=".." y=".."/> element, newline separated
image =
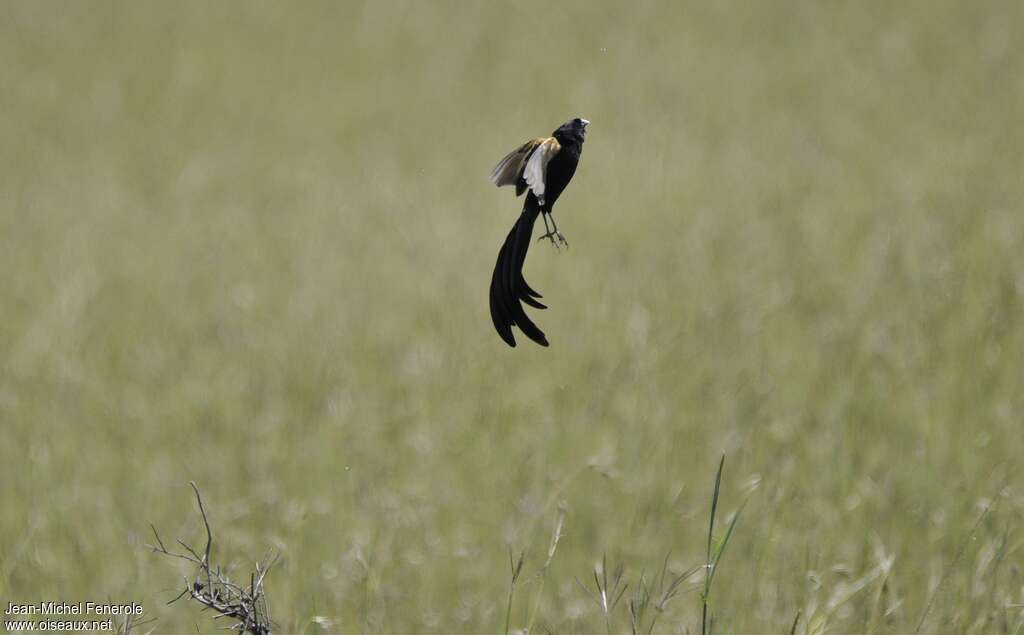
<point x="249" y="244"/>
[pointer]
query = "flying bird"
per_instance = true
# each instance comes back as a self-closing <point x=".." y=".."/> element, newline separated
<point x="542" y="168"/>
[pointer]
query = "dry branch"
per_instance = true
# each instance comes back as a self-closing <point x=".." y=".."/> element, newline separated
<point x="246" y="604"/>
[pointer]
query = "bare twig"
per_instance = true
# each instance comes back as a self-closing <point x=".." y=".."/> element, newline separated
<point x="214" y="590"/>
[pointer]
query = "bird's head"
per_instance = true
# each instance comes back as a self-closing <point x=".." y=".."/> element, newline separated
<point x="575" y="129"/>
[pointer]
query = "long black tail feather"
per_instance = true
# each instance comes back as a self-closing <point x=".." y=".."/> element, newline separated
<point x="508" y="287"/>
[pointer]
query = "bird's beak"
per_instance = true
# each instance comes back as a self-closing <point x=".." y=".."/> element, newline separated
<point x="585" y="122"/>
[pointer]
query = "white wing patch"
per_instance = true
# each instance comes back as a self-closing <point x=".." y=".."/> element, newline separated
<point x="536" y="167"/>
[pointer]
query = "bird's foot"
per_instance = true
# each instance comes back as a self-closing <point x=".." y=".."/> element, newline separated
<point x="552" y="237"/>
<point x="557" y="239"/>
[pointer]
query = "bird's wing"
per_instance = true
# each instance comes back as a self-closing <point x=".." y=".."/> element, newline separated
<point x="536" y="167"/>
<point x="510" y="169"/>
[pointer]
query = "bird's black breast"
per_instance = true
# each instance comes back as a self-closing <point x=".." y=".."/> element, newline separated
<point x="560" y="171"/>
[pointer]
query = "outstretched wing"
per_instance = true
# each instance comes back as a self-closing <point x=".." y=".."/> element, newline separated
<point x="536" y="167"/>
<point x="510" y="169"/>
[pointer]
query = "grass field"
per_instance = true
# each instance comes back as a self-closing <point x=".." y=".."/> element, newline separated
<point x="249" y="244"/>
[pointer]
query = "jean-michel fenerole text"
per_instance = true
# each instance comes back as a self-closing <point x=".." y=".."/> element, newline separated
<point x="73" y="608"/>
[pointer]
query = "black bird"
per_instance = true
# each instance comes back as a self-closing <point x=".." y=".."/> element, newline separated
<point x="542" y="168"/>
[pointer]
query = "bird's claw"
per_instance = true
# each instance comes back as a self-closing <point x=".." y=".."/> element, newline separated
<point x="556" y="238"/>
